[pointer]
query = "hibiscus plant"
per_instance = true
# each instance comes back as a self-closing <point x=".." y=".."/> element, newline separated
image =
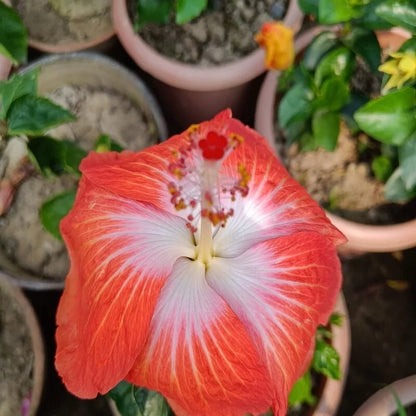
<point x="161" y="11"/>
<point x="199" y="270"/>
<point x="321" y="88"/>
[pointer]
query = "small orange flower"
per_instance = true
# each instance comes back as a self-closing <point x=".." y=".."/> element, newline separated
<point x="277" y="39"/>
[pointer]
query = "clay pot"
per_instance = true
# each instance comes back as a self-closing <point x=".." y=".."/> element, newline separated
<point x="17" y="298"/>
<point x="189" y="93"/>
<point x="383" y="402"/>
<point x="73" y="11"/>
<point x="332" y="390"/>
<point x="361" y="237"/>
<point x="77" y="72"/>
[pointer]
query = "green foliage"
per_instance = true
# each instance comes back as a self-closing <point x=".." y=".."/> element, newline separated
<point x="399" y="13"/>
<point x="139" y="401"/>
<point x="13" y="35"/>
<point x="54" y="209"/>
<point x="400" y="409"/>
<point x="161" y="11"/>
<point x="301" y="392"/>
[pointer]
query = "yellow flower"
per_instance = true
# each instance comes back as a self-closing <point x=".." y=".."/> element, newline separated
<point x="277" y="39"/>
<point x="401" y="68"/>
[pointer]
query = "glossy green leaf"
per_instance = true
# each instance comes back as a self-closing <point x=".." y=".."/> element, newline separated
<point x="301" y="392"/>
<point x="407" y="160"/>
<point x="395" y="189"/>
<point x="48" y="155"/>
<point x="56" y="208"/>
<point x="339" y="62"/>
<point x="336" y="319"/>
<point x="153" y="11"/>
<point x="123" y="396"/>
<point x="13" y="35"/>
<point x="399" y="13"/>
<point x="382" y="167"/>
<point x="369" y="19"/>
<point x="32" y="115"/>
<point x="307" y="141"/>
<point x="333" y="95"/>
<point x="336" y="11"/>
<point x="320" y="45"/>
<point x="309" y="7"/>
<point x="296" y="105"/>
<point x="355" y="102"/>
<point x="390" y="118"/>
<point x="364" y="43"/>
<point x="73" y="155"/>
<point x="187" y="10"/>
<point x="326" y="360"/>
<point x="325" y="128"/>
<point x="14" y="88"/>
<point x="409" y="45"/>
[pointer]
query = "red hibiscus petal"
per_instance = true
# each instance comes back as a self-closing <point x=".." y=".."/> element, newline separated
<point x="121" y="253"/>
<point x="198" y="354"/>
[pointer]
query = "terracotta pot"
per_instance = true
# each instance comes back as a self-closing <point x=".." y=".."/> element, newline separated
<point x="99" y="40"/>
<point x="333" y="389"/>
<point x="37" y="373"/>
<point x="383" y="402"/>
<point x="190" y="93"/>
<point x="79" y="70"/>
<point x="361" y="237"/>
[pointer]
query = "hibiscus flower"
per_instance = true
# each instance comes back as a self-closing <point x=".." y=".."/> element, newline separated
<point x="200" y="269"/>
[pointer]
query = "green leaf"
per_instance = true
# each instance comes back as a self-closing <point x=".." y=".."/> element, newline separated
<point x="382" y="168"/>
<point x="409" y="45"/>
<point x="364" y="43"/>
<point x="390" y="118"/>
<point x="325" y="128"/>
<point x="369" y="18"/>
<point x="326" y="360"/>
<point x="124" y="398"/>
<point x="187" y="10"/>
<point x="395" y="189"/>
<point x="336" y="319"/>
<point x="400" y="409"/>
<point x="104" y="143"/>
<point x="307" y="141"/>
<point x="336" y="11"/>
<point x="56" y="208"/>
<point x="309" y="7"/>
<point x="14" y="88"/>
<point x="320" y="45"/>
<point x="302" y="392"/>
<point x="399" y="13"/>
<point x="334" y="95"/>
<point x="73" y="155"/>
<point x="296" y="105"/>
<point x="407" y="161"/>
<point x="153" y="11"/>
<point x="13" y="35"/>
<point x="35" y="115"/>
<point x="354" y="103"/>
<point x="340" y="62"/>
<point x="48" y="155"/>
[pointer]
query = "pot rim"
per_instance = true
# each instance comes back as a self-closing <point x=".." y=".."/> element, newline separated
<point x="36" y="339"/>
<point x="361" y="237"/>
<point x="187" y="76"/>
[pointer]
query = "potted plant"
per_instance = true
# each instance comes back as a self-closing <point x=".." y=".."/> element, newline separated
<point x="200" y="91"/>
<point x="186" y="223"/>
<point x="57" y="26"/>
<point x="106" y="99"/>
<point x="328" y="66"/>
<point x="22" y="353"/>
<point x="390" y="400"/>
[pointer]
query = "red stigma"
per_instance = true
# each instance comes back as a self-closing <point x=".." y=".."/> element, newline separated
<point x="214" y="146"/>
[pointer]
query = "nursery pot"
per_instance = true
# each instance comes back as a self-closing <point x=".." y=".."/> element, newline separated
<point x="107" y="99"/>
<point x="361" y="237"/>
<point x="58" y="26"/>
<point x="331" y="394"/>
<point x="18" y="322"/>
<point x="383" y="402"/>
<point x="191" y="93"/>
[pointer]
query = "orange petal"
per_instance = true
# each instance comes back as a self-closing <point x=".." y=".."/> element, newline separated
<point x="121" y="252"/>
<point x="198" y="354"/>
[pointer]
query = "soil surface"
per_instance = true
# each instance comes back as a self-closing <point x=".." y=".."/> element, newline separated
<point x="63" y="21"/>
<point x="223" y="33"/>
<point x="98" y="111"/>
<point x="16" y="357"/>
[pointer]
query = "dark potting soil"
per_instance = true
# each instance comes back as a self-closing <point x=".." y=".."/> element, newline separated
<point x="223" y="33"/>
